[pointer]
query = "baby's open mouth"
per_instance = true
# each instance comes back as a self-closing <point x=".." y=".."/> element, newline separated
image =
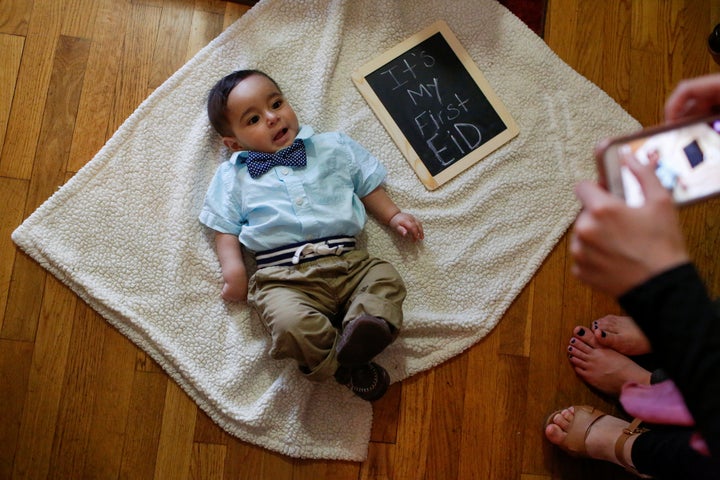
<point x="280" y="134"/>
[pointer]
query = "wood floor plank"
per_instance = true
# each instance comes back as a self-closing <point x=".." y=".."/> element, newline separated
<point x="242" y="461"/>
<point x="385" y="415"/>
<point x="561" y="24"/>
<point x="36" y="67"/>
<point x="14" y="17"/>
<point x="92" y="125"/>
<point x="40" y="412"/>
<point x="205" y="26"/>
<point x="380" y="462"/>
<point x="79" y="18"/>
<point x="207" y="431"/>
<point x="615" y="54"/>
<point x="342" y="470"/>
<point x="446" y="421"/>
<point x="12" y="196"/>
<point x="15" y="361"/>
<point x="136" y="63"/>
<point x="207" y="461"/>
<point x="233" y="11"/>
<point x="413" y="429"/>
<point x="546" y="347"/>
<point x="172" y="41"/>
<point x="176" y="435"/>
<point x="110" y="409"/>
<point x="11" y="47"/>
<point x="478" y="434"/>
<point x="84" y="356"/>
<point x="144" y="423"/>
<point x="516" y="327"/>
<point x="510" y="417"/>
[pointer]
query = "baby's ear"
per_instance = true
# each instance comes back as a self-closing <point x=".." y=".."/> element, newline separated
<point x="232" y="144"/>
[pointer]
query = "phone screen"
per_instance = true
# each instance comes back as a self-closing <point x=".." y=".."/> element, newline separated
<point x="686" y="160"/>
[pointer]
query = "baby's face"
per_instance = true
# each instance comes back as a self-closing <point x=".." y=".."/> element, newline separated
<point x="260" y="117"/>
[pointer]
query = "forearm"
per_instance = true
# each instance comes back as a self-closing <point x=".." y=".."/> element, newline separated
<point x="380" y="205"/>
<point x="233" y="267"/>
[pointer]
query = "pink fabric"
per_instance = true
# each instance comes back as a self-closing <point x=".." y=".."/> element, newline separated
<point x="662" y="404"/>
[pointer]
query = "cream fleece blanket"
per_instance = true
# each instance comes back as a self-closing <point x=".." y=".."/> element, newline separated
<point x="123" y="232"/>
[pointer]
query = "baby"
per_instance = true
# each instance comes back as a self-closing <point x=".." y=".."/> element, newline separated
<point x="296" y="200"/>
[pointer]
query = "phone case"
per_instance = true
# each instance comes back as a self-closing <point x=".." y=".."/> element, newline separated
<point x="691" y="171"/>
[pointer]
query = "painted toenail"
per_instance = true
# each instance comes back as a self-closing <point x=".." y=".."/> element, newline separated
<point x="572" y="340"/>
<point x="603" y="334"/>
<point x="569" y="349"/>
<point x="581" y="332"/>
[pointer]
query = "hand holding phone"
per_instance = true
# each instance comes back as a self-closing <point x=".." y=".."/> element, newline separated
<point x="686" y="158"/>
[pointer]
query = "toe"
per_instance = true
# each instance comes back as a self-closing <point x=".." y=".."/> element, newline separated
<point x="586" y="335"/>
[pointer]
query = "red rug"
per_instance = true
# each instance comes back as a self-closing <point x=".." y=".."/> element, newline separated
<point x="532" y="12"/>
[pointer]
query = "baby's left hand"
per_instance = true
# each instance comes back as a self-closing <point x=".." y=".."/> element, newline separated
<point x="404" y="224"/>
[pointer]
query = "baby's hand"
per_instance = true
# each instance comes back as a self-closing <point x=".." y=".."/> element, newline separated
<point x="404" y="224"/>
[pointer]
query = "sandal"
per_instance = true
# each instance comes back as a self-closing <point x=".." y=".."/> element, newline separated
<point x="584" y="418"/>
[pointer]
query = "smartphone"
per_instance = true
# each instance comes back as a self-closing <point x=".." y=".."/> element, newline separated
<point x="686" y="157"/>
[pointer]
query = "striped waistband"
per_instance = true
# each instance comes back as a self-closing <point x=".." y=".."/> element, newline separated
<point x="289" y="255"/>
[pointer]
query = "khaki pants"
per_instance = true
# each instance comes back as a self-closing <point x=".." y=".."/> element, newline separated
<point x="304" y="307"/>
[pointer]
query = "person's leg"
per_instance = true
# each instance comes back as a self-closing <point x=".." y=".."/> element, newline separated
<point x="375" y="289"/>
<point x="663" y="452"/>
<point x="298" y="315"/>
<point x="601" y="367"/>
<point x="583" y="431"/>
<point x="373" y="294"/>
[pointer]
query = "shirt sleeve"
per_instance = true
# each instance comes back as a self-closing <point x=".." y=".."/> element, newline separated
<point x="367" y="171"/>
<point x="683" y="326"/>
<point x="221" y="210"/>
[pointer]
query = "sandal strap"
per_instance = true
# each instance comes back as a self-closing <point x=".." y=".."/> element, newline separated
<point x="629" y="431"/>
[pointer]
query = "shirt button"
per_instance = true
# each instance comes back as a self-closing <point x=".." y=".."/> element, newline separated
<point x="298" y="201"/>
<point x="284" y="170"/>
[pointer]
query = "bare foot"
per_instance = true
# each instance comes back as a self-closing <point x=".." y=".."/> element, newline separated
<point x="600" y="439"/>
<point x="600" y="367"/>
<point x="621" y="334"/>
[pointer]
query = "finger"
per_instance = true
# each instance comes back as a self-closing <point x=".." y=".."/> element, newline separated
<point x="591" y="194"/>
<point x="649" y="182"/>
<point x="693" y="97"/>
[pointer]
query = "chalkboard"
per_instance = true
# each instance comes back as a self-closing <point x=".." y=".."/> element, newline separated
<point x="435" y="104"/>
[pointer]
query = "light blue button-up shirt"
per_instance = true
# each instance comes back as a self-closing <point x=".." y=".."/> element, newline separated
<point x="295" y="204"/>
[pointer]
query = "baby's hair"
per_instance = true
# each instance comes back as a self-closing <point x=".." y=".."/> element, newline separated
<point x="218" y="97"/>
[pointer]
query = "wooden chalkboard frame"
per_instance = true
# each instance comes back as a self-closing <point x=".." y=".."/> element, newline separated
<point x="431" y="182"/>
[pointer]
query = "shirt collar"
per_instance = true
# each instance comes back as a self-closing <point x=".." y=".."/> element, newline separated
<point x="240" y="156"/>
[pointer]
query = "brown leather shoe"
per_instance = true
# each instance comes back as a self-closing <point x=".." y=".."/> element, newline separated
<point x="362" y="339"/>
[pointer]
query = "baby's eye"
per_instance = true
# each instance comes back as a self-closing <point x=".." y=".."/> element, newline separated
<point x="254" y="119"/>
<point x="277" y="104"/>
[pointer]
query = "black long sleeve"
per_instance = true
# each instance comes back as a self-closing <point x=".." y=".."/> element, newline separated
<point x="677" y="315"/>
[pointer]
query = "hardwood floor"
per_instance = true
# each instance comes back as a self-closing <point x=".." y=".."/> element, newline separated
<point x="78" y="400"/>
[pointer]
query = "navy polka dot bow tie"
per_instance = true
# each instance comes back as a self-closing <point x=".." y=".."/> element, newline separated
<point x="293" y="156"/>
